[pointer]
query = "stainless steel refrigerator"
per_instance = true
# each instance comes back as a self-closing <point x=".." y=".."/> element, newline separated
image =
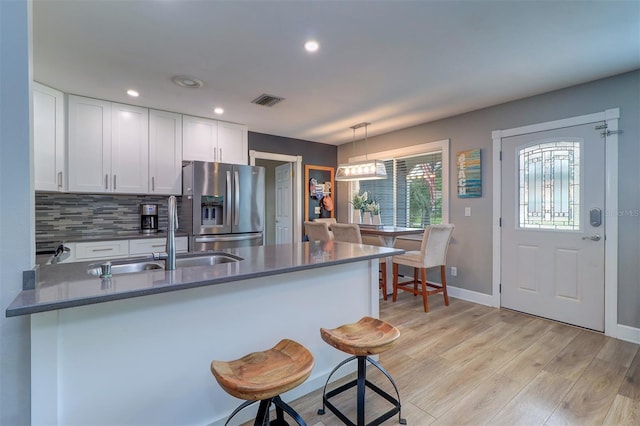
<point x="222" y="205"/>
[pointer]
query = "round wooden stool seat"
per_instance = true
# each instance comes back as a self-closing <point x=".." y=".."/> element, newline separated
<point x="369" y="336"/>
<point x="266" y="374"/>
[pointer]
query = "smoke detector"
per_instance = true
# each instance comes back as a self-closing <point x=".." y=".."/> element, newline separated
<point x="186" y="81"/>
<point x="267" y="100"/>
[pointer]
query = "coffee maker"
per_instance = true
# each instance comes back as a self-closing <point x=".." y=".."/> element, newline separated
<point x="148" y="218"/>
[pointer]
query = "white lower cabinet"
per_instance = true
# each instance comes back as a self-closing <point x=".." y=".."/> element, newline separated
<point x="150" y="245"/>
<point x="118" y="249"/>
<point x="102" y="250"/>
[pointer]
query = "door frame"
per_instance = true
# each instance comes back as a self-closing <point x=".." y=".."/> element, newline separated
<point x="297" y="184"/>
<point x="611" y="117"/>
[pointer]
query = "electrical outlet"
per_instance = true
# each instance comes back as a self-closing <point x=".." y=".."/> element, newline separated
<point x="317" y="210"/>
<point x="454" y="271"/>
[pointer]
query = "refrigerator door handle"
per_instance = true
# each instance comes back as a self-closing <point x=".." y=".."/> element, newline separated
<point x="238" y="237"/>
<point x="236" y="220"/>
<point x="227" y="205"/>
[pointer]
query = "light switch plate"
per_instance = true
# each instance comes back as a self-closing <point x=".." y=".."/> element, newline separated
<point x="317" y="210"/>
<point x="467" y="211"/>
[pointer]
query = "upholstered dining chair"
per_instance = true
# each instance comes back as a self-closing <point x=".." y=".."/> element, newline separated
<point x="432" y="254"/>
<point x="350" y="233"/>
<point x="347" y="232"/>
<point x="329" y="220"/>
<point x="318" y="231"/>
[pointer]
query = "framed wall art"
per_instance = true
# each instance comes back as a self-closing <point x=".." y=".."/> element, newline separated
<point x="469" y="173"/>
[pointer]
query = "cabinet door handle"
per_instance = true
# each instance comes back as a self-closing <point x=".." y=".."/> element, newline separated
<point x="59" y="179"/>
<point x="103" y="249"/>
<point x="114" y="182"/>
<point x="220" y="154"/>
<point x="153" y="183"/>
<point x="106" y="182"/>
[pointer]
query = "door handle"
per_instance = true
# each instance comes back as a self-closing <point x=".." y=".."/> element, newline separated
<point x="236" y="220"/>
<point x="592" y="237"/>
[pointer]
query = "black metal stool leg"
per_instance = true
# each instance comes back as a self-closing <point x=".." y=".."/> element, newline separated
<point x="362" y="378"/>
<point x="386" y="373"/>
<point x="362" y="383"/>
<point x="237" y="410"/>
<point x="324" y="390"/>
<point x="283" y="406"/>
<point x="262" y="418"/>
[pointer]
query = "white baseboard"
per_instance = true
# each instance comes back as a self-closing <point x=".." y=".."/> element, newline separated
<point x="630" y="334"/>
<point x="470" y="295"/>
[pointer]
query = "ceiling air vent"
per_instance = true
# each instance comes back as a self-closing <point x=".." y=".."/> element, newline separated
<point x="267" y="100"/>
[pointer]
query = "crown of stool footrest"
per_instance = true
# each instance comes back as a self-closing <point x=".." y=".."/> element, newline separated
<point x="368" y="336"/>
<point x="263" y="375"/>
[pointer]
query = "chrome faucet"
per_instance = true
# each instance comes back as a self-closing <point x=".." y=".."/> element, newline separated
<point x="171" y="234"/>
<point x="169" y="256"/>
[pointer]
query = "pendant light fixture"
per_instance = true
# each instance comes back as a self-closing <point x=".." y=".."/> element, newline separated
<point x="361" y="170"/>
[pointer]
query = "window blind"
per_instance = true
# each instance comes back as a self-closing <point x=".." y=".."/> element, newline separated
<point x="412" y="195"/>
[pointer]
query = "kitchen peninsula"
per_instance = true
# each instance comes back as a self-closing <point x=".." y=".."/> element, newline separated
<point x="136" y="348"/>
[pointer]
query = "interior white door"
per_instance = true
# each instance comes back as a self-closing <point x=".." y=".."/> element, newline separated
<point x="553" y="225"/>
<point x="284" y="203"/>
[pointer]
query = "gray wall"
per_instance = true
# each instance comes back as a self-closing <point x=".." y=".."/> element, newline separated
<point x="314" y="153"/>
<point x="16" y="208"/>
<point x="472" y="246"/>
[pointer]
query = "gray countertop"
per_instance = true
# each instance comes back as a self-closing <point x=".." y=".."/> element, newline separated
<point x="68" y="284"/>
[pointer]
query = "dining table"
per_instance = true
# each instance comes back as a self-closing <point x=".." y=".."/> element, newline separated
<point x="388" y="236"/>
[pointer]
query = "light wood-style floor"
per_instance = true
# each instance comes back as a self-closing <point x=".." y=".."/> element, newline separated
<point x="475" y="365"/>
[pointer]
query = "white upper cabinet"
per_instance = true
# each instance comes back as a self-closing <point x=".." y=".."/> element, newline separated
<point x="233" y="145"/>
<point x="129" y="149"/>
<point x="89" y="145"/>
<point x="108" y="146"/>
<point x="211" y="140"/>
<point x="48" y="139"/>
<point x="200" y="139"/>
<point x="165" y="153"/>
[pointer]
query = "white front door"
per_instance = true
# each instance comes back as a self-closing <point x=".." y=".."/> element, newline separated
<point x="553" y="225"/>
<point x="284" y="204"/>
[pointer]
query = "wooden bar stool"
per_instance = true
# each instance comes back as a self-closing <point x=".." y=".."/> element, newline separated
<point x="263" y="376"/>
<point x="369" y="336"/>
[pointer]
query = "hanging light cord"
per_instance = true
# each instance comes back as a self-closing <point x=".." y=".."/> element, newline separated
<point x="366" y="142"/>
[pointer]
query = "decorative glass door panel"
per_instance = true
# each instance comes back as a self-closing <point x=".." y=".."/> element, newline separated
<point x="549" y="185"/>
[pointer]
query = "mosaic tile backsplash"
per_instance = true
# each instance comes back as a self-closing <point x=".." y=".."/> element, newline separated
<point x="59" y="216"/>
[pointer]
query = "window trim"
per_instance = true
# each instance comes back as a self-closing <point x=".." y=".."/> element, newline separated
<point x="420" y="149"/>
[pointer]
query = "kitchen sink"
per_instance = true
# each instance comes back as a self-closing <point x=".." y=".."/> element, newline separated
<point x="205" y="259"/>
<point x="184" y="261"/>
<point x="125" y="267"/>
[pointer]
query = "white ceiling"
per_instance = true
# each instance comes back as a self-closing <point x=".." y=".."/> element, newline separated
<point x="392" y="63"/>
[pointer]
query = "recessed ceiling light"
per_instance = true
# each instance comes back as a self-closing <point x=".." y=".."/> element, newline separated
<point x="133" y="93"/>
<point x="186" y="81"/>
<point x="311" y="46"/>
<point x="218" y="111"/>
